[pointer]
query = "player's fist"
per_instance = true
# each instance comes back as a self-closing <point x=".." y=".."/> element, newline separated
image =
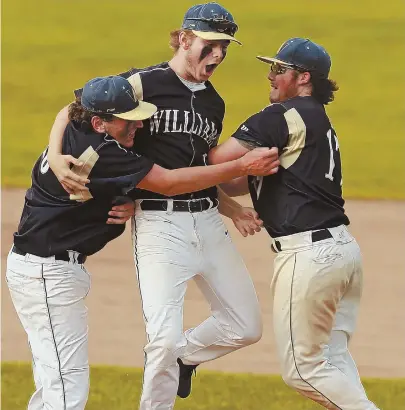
<point x="247" y="221"/>
<point x="261" y="162"/>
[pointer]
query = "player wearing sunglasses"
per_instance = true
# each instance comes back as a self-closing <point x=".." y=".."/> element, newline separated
<point x="317" y="280"/>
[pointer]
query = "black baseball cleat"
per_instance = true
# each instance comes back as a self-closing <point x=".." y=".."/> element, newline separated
<point x="186" y="372"/>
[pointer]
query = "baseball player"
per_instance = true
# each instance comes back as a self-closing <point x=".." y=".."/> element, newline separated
<point x="45" y="267"/>
<point x="317" y="280"/>
<point x="181" y="237"/>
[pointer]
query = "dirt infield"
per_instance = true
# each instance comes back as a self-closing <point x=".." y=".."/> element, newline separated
<point x="116" y="324"/>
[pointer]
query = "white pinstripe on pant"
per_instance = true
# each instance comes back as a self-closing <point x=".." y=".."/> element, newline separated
<point x="48" y="296"/>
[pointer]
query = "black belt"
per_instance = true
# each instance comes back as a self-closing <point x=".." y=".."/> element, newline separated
<point x="193" y="205"/>
<point x="316" y="237"/>
<point x="62" y="256"/>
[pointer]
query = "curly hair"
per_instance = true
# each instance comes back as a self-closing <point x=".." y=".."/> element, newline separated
<point x="81" y="116"/>
<point x="174" y="42"/>
<point x="323" y="89"/>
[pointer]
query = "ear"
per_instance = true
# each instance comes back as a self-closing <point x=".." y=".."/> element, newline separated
<point x="184" y="41"/>
<point x="304" y="78"/>
<point x="98" y="124"/>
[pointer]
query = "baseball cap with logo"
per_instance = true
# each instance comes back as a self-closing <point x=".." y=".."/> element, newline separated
<point x="115" y="95"/>
<point x="302" y="53"/>
<point x="211" y="21"/>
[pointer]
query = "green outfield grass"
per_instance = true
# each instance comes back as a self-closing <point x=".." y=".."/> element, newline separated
<point x="116" y="388"/>
<point x="51" y="47"/>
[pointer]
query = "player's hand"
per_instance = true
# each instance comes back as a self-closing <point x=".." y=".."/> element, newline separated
<point x="247" y="221"/>
<point x="71" y="182"/>
<point x="261" y="161"/>
<point x="121" y="213"/>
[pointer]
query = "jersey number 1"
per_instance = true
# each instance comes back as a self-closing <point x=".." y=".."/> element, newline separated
<point x="332" y="139"/>
<point x="257" y="184"/>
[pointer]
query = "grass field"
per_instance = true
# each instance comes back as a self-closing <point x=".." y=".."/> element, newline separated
<point x="119" y="389"/>
<point x="51" y="47"/>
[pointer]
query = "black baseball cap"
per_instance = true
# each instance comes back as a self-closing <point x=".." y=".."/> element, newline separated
<point x="210" y="21"/>
<point x="115" y="95"/>
<point x="302" y="53"/>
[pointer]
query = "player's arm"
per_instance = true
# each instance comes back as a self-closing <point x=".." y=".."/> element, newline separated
<point x="230" y="150"/>
<point x="266" y="128"/>
<point x="262" y="161"/>
<point x="227" y="206"/>
<point x="60" y="164"/>
<point x="140" y="172"/>
<point x="245" y="219"/>
<point x="236" y="187"/>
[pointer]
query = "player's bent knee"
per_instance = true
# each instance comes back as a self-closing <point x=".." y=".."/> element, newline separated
<point x="292" y="378"/>
<point x="252" y="335"/>
<point x="164" y="352"/>
<point x="293" y="381"/>
<point x="300" y="377"/>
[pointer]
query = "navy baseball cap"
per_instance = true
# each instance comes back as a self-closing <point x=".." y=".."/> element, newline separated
<point x="210" y="21"/>
<point x="302" y="53"/>
<point x="115" y="95"/>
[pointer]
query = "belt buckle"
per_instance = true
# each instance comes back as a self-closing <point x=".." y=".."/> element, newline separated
<point x="210" y="203"/>
<point x="191" y="204"/>
<point x="200" y="202"/>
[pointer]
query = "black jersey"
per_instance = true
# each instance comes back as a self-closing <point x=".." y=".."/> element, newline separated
<point x="185" y="127"/>
<point x="306" y="193"/>
<point x="52" y="223"/>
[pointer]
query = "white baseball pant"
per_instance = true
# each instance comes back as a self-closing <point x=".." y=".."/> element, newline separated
<point x="48" y="296"/>
<point x="317" y="289"/>
<point x="169" y="249"/>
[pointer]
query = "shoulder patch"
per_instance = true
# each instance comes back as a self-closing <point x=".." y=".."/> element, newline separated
<point x="89" y="158"/>
<point x="297" y="133"/>
<point x="136" y="81"/>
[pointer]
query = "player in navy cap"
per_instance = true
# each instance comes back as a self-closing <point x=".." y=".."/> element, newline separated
<point x="211" y="21"/>
<point x="317" y="279"/>
<point x="302" y="54"/>
<point x="46" y="275"/>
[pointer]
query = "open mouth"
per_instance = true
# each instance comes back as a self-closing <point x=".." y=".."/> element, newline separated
<point x="210" y="68"/>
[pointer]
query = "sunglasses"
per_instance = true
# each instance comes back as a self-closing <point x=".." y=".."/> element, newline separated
<point x="278" y="68"/>
<point x="219" y="24"/>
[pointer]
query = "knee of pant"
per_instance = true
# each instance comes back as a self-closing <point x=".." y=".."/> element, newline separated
<point x="252" y="334"/>
<point x="293" y="379"/>
<point x="164" y="351"/>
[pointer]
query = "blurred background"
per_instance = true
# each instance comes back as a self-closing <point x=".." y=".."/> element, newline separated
<point x="51" y="47"/>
